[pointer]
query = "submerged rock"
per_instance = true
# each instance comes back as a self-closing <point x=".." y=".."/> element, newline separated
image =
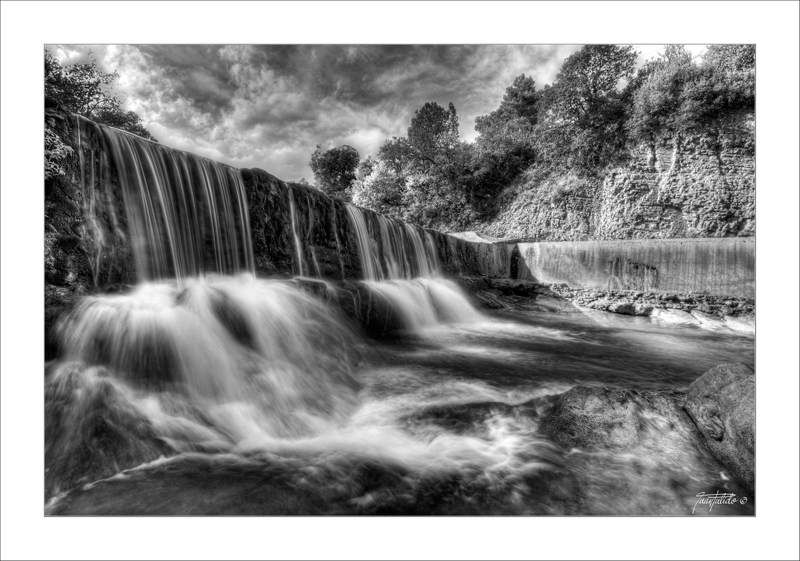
<point x="721" y="403"/>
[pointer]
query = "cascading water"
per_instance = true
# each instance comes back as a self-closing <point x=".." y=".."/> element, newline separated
<point x="404" y="270"/>
<point x="186" y="215"/>
<point x="302" y="267"/>
<point x="207" y="391"/>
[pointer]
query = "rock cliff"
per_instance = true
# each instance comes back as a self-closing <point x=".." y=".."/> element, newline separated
<point x="693" y="186"/>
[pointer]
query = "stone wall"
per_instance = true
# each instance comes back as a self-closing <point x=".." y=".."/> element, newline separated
<point x="700" y="185"/>
<point x="717" y="266"/>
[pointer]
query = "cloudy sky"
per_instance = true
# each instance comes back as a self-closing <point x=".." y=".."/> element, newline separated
<point x="268" y="106"/>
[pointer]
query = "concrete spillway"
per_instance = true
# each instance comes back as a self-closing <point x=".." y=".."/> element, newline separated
<point x="718" y="266"/>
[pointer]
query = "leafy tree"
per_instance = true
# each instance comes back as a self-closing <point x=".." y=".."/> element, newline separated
<point x="731" y="58"/>
<point x="82" y="88"/>
<point x="396" y="153"/>
<point x="505" y="145"/>
<point x="658" y="99"/>
<point x="679" y="95"/>
<point x="335" y="169"/>
<point x="366" y="167"/>
<point x="583" y="112"/>
<point x="380" y="189"/>
<point x="433" y="136"/>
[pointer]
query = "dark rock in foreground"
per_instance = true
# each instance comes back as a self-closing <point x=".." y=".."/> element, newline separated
<point x="591" y="416"/>
<point x="722" y="405"/>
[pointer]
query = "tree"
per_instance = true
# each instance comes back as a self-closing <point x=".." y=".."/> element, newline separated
<point x="82" y="88"/>
<point x="433" y="136"/>
<point x="381" y="189"/>
<point x="731" y="58"/>
<point x="334" y="169"/>
<point x="583" y="112"/>
<point x="396" y="153"/>
<point x="657" y="102"/>
<point x="679" y="95"/>
<point x="520" y="100"/>
<point x="505" y="145"/>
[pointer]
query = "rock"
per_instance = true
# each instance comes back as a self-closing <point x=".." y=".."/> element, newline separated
<point x="622" y="308"/>
<point x="707" y="320"/>
<point x="673" y="316"/>
<point x="742" y="324"/>
<point x="596" y="416"/>
<point x="92" y="430"/>
<point x="721" y="403"/>
<point x="601" y="304"/>
<point x="643" y="309"/>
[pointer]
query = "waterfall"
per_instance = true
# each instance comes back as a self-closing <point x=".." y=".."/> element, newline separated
<point x="298" y="245"/>
<point x="186" y="215"/>
<point x="403" y="269"/>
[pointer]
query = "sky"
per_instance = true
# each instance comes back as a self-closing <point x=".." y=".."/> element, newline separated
<point x="269" y="106"/>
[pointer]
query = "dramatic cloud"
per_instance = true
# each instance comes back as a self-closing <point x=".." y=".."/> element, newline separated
<point x="268" y="106"/>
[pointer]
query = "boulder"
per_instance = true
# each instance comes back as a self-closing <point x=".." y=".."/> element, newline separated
<point x="627" y="308"/>
<point x="721" y="403"/>
<point x="596" y="416"/>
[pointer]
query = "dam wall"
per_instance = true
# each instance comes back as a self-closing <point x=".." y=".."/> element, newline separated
<point x="716" y="266"/>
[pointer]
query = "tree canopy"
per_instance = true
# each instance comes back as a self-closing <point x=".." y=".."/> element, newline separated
<point x="83" y="88"/>
<point x="335" y="169"/>
<point x="597" y="107"/>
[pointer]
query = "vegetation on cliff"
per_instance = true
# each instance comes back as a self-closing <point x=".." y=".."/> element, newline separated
<point x="598" y="108"/>
<point x="82" y="89"/>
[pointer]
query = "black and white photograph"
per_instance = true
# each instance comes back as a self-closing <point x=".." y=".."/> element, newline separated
<point x="315" y="280"/>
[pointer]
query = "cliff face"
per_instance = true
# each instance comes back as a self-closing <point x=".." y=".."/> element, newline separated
<point x="701" y="185"/>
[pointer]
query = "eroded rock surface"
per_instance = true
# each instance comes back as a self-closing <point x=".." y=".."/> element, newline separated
<point x="722" y="405"/>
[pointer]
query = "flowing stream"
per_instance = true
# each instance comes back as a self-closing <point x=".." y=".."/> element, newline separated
<point x="205" y="390"/>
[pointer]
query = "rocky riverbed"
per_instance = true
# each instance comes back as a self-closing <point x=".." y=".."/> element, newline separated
<point x="703" y="310"/>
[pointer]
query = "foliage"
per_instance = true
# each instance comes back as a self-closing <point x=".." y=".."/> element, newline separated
<point x="55" y="151"/>
<point x="679" y="95"/>
<point x="506" y="142"/>
<point x="83" y="88"/>
<point x="556" y="140"/>
<point x="432" y="141"/>
<point x="731" y="58"/>
<point x="381" y="188"/>
<point x="582" y="114"/>
<point x="335" y="169"/>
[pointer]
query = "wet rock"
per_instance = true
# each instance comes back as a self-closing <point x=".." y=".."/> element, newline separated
<point x="674" y="316"/>
<point x="91" y="430"/>
<point x="707" y="320"/>
<point x="627" y="308"/>
<point x="591" y="416"/>
<point x="58" y="301"/>
<point x="721" y="403"/>
<point x="742" y="324"/>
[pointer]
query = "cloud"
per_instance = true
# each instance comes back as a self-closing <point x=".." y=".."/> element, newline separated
<point x="269" y="106"/>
